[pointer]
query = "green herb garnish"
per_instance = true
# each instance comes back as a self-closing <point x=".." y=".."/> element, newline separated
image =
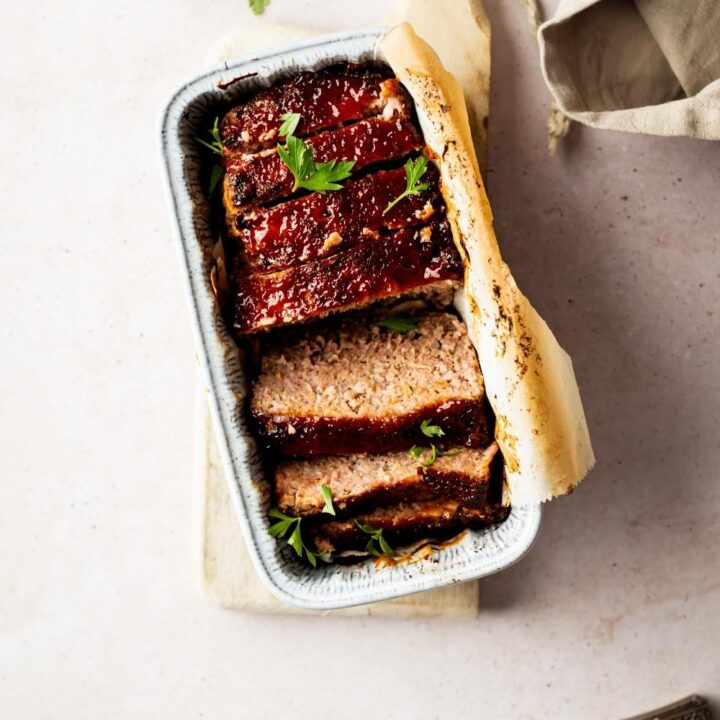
<point x="430" y="430"/>
<point x="417" y="452"/>
<point x="329" y="508"/>
<point x="216" y="145"/>
<point x="258" y="6"/>
<point x="286" y="524"/>
<point x="376" y="541"/>
<point x="215" y="177"/>
<point x="397" y="323"/>
<point x="414" y="170"/>
<point x="289" y="123"/>
<point x="308" y="174"/>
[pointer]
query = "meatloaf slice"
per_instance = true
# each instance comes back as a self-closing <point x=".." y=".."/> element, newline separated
<point x="352" y="386"/>
<point x="262" y="177"/>
<point x="388" y="267"/>
<point x="324" y="99"/>
<point x="357" y="481"/>
<point x="322" y="224"/>
<point x="405" y="522"/>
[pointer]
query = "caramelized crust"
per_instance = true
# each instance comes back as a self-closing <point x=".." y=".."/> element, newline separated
<point x="324" y="100"/>
<point x="390" y="266"/>
<point x="322" y="224"/>
<point x="256" y="179"/>
<point x="403" y="522"/>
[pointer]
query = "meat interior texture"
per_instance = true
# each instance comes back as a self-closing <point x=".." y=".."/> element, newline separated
<point x="380" y="417"/>
<point x="351" y="385"/>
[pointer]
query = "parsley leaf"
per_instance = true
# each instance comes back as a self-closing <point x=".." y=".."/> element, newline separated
<point x="308" y="174"/>
<point x="430" y="430"/>
<point x="216" y="145"/>
<point x="397" y="323"/>
<point x="281" y="528"/>
<point x="258" y="6"/>
<point x="417" y="452"/>
<point x="376" y="545"/>
<point x="215" y="177"/>
<point x="329" y="508"/>
<point x="289" y="123"/>
<point x="414" y="170"/>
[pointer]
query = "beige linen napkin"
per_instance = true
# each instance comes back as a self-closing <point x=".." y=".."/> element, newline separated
<point x="649" y="66"/>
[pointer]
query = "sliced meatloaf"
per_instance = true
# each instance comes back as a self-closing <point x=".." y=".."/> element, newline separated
<point x="353" y="386"/>
<point x="388" y="267"/>
<point x="357" y="481"/>
<point x="258" y="178"/>
<point x="404" y="522"/>
<point x="324" y="99"/>
<point x="322" y="224"/>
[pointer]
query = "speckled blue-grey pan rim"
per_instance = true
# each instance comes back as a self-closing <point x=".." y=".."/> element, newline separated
<point x="184" y="118"/>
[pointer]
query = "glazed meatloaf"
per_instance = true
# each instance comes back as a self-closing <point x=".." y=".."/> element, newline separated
<point x="367" y="395"/>
<point x="354" y="386"/>
<point x="298" y="255"/>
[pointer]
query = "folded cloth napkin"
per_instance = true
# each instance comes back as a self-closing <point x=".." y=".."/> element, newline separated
<point x="648" y="66"/>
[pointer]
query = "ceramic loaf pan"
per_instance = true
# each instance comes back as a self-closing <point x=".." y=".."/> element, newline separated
<point x="187" y="116"/>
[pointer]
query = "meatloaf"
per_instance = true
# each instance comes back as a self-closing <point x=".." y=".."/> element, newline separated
<point x="326" y="228"/>
<point x="404" y="522"/>
<point x="318" y="225"/>
<point x="388" y="267"/>
<point x="324" y="99"/>
<point x="353" y="386"/>
<point x="360" y="481"/>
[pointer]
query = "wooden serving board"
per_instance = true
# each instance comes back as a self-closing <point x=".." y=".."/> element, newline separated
<point x="228" y="575"/>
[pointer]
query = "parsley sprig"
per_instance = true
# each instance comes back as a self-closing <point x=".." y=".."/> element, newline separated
<point x="286" y="524"/>
<point x="216" y="145"/>
<point x="398" y="323"/>
<point x="421" y="453"/>
<point x="430" y="430"/>
<point x="298" y="156"/>
<point x="329" y="508"/>
<point x="289" y="124"/>
<point x="417" y="452"/>
<point x="376" y="545"/>
<point x="258" y="6"/>
<point x="414" y="170"/>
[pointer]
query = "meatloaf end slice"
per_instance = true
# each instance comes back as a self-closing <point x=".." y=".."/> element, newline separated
<point x="405" y="522"/>
<point x="358" y="481"/>
<point x="352" y="386"/>
<point x="324" y="99"/>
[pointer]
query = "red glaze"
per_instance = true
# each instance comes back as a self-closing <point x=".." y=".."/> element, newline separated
<point x="465" y="422"/>
<point x="319" y="225"/>
<point x="324" y="100"/>
<point x="392" y="265"/>
<point x="261" y="178"/>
